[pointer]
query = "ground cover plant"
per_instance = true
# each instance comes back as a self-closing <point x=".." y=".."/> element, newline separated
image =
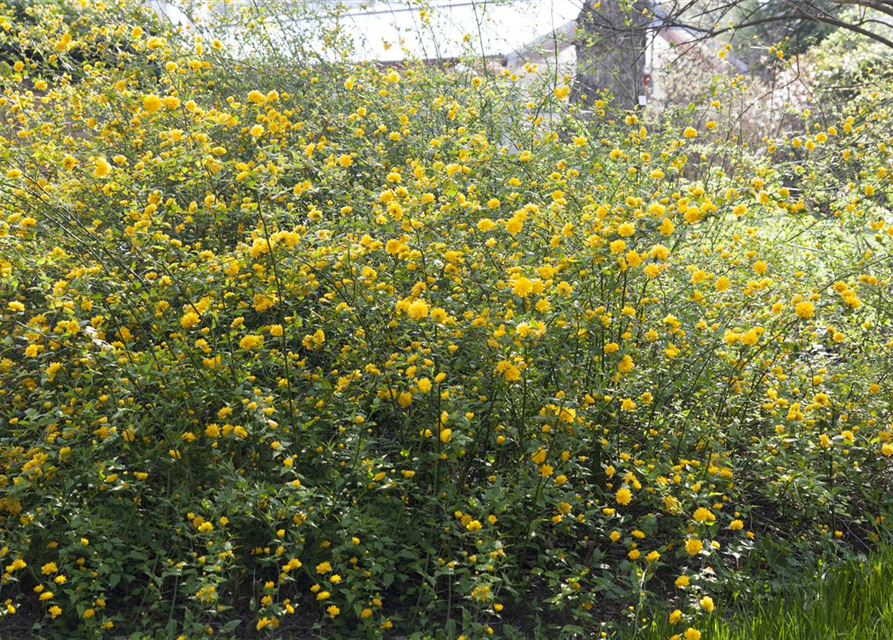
<point x="849" y="601"/>
<point x="292" y="344"/>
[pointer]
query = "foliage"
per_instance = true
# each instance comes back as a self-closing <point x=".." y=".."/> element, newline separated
<point x="844" y="63"/>
<point x="852" y="601"/>
<point x="798" y="31"/>
<point x="414" y="351"/>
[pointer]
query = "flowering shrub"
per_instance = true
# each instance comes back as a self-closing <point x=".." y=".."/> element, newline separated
<point x="389" y="350"/>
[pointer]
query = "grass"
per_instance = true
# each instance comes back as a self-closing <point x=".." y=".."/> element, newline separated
<point x="850" y="602"/>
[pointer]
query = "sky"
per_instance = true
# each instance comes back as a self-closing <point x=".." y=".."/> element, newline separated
<point x="496" y="27"/>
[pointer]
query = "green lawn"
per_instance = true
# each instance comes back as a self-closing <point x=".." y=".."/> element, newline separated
<point x="852" y="602"/>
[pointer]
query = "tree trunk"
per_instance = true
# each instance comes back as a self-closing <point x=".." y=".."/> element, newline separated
<point x="611" y="52"/>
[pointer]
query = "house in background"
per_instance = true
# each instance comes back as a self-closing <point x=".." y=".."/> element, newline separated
<point x="602" y="49"/>
<point x="590" y="43"/>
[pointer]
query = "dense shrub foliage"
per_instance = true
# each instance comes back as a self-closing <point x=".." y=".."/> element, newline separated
<point x="408" y="350"/>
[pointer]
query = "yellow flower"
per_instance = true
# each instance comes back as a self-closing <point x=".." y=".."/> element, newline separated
<point x="626" y="229"/>
<point x="262" y="302"/>
<point x="314" y="341"/>
<point x="624" y="496"/>
<point x="101" y="168"/>
<point x="251" y="341"/>
<point x="693" y="546"/>
<point x="804" y="309"/>
<point x="508" y="370"/>
<point x="418" y="310"/>
<point x="522" y="287"/>
<point x="659" y="252"/>
<point x="152" y="103"/>
<point x="625" y="365"/>
<point x="514" y="225"/>
<point x="692" y="634"/>
<point x="189" y="320"/>
<point x="707" y="604"/>
<point x="703" y="515"/>
<point x="652" y="270"/>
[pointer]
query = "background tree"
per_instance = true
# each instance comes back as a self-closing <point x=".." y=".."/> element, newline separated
<point x="611" y="51"/>
<point x="613" y="35"/>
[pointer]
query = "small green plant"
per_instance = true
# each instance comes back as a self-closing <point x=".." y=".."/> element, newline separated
<point x="852" y="601"/>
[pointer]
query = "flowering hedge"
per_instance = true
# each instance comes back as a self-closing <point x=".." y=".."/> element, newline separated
<point x="392" y="351"/>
